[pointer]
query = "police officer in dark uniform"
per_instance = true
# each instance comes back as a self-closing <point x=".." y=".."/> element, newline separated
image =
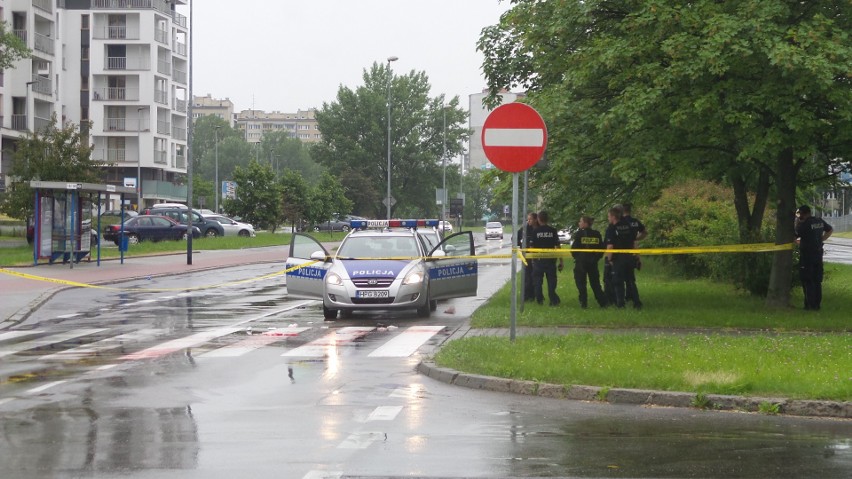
<point x="619" y="235"/>
<point x="641" y="233"/>
<point x="586" y="264"/>
<point x="545" y="237"/>
<point x="525" y="240"/>
<point x="810" y="234"/>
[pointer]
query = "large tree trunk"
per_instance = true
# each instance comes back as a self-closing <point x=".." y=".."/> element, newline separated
<point x="751" y="271"/>
<point x="780" y="279"/>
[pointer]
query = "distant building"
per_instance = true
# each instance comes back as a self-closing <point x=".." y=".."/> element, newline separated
<point x="478" y="113"/>
<point x="255" y="123"/>
<point x="209" y="106"/>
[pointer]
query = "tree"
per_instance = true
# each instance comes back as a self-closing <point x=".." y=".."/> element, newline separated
<point x="258" y="198"/>
<point x="287" y="153"/>
<point x="327" y="198"/>
<point x="12" y="48"/>
<point x="640" y="94"/>
<point x="51" y="154"/>
<point x="295" y="198"/>
<point x="354" y="140"/>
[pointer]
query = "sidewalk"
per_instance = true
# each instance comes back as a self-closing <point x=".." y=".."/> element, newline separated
<point x="20" y="296"/>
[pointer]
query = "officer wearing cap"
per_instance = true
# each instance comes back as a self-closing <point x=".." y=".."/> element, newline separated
<point x="811" y="232"/>
<point x="621" y="236"/>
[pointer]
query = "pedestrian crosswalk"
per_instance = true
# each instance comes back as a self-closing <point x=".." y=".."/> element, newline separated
<point x="217" y="343"/>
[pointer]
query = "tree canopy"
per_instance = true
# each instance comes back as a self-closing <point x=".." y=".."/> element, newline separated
<point x="641" y="94"/>
<point x="354" y="140"/>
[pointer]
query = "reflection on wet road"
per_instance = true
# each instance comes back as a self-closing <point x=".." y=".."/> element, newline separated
<point x="242" y="382"/>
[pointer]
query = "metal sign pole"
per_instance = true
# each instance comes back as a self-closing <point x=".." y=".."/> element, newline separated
<point x="514" y="256"/>
<point x="524" y="229"/>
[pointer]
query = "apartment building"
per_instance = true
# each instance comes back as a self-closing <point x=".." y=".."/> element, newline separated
<point x="209" y="106"/>
<point x="121" y="65"/>
<point x="255" y="123"/>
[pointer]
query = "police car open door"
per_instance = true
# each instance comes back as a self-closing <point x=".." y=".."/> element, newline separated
<point x="306" y="282"/>
<point x="452" y="268"/>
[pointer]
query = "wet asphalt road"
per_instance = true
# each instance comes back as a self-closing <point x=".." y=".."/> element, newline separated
<point x="169" y="384"/>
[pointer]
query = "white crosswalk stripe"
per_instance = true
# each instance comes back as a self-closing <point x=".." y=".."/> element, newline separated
<point x="406" y="343"/>
<point x="180" y="343"/>
<point x="103" y="345"/>
<point x="53" y="339"/>
<point x="328" y="344"/>
<point x="17" y="334"/>
<point x="251" y="343"/>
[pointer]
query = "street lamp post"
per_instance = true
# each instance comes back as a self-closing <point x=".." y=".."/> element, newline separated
<point x="444" y="165"/>
<point x="27" y="106"/>
<point x="216" y="177"/>
<point x="139" y="111"/>
<point x="390" y="78"/>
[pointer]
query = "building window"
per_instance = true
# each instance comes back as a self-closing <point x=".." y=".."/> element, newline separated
<point x="84" y="22"/>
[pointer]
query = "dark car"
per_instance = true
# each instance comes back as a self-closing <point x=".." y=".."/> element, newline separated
<point x="149" y="228"/>
<point x="337" y="223"/>
<point x="127" y="213"/>
<point x="94" y="234"/>
<point x="208" y="227"/>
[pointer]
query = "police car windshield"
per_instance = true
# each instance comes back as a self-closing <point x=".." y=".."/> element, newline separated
<point x="378" y="247"/>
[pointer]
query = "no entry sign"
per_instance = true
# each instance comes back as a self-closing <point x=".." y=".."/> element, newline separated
<point x="514" y="137"/>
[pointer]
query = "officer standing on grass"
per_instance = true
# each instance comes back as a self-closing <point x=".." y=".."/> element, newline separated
<point x="525" y="240"/>
<point x="545" y="237"/>
<point x="619" y="235"/>
<point x="811" y="232"/>
<point x="641" y="233"/>
<point x="586" y="264"/>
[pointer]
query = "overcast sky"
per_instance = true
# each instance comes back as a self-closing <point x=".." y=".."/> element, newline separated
<point x="287" y="55"/>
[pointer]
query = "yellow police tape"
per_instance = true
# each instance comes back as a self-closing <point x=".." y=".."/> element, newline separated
<point x="523" y="253"/>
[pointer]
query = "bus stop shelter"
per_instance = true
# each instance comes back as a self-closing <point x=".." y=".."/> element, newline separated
<point x="63" y="220"/>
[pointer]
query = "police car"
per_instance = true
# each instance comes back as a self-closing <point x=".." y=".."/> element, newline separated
<point x="382" y="265"/>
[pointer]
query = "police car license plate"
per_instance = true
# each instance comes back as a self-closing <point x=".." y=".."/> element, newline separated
<point x="372" y="294"/>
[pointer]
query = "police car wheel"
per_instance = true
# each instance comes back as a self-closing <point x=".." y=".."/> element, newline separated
<point x="329" y="314"/>
<point x="433" y="305"/>
<point x="425" y="311"/>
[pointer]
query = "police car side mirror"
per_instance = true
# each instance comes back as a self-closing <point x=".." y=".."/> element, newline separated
<point x="438" y="254"/>
<point x="319" y="256"/>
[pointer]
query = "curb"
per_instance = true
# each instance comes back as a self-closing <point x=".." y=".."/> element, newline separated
<point x="639" y="397"/>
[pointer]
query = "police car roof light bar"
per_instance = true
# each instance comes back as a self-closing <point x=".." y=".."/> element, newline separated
<point x="378" y="224"/>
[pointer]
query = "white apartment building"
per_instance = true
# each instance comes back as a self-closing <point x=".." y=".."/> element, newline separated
<point x="255" y="123"/>
<point x="209" y="106"/>
<point x="478" y="113"/>
<point x="120" y="64"/>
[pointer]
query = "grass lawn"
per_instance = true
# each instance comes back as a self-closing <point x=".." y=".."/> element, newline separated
<point x="671" y="302"/>
<point x="846" y="234"/>
<point x="787" y="365"/>
<point x="739" y="347"/>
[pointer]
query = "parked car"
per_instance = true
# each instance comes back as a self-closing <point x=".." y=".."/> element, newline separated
<point x="493" y="229"/>
<point x="564" y="236"/>
<point x="431" y="237"/>
<point x="445" y="226"/>
<point x="94" y="234"/>
<point x="149" y="228"/>
<point x="208" y="227"/>
<point x="233" y="227"/>
<point x="337" y="223"/>
<point x="127" y="213"/>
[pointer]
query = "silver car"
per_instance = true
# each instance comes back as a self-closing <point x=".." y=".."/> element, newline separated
<point x="233" y="227"/>
<point x="382" y="269"/>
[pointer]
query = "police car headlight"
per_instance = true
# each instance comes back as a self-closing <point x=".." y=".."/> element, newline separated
<point x="415" y="277"/>
<point x="333" y="279"/>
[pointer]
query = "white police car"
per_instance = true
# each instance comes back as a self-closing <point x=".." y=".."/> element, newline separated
<point x="382" y="265"/>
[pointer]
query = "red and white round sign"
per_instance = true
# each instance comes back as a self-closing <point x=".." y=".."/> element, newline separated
<point x="514" y="137"/>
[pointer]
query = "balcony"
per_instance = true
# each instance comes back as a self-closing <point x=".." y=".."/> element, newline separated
<point x="164" y="67"/>
<point x="116" y="94"/>
<point x="179" y="76"/>
<point x="180" y="105"/>
<point x="22" y="34"/>
<point x="178" y="133"/>
<point x="159" y="5"/>
<point x="161" y="36"/>
<point x="160" y="157"/>
<point x="19" y="122"/>
<point x="164" y="190"/>
<point x="40" y="124"/>
<point x="124" y="63"/>
<point x="180" y="48"/>
<point x="44" y="44"/>
<point x="42" y="85"/>
<point x="44" y="5"/>
<point x="180" y="161"/>
<point x="161" y="96"/>
<point x="118" y="32"/>
<point x="110" y="155"/>
<point x="163" y="127"/>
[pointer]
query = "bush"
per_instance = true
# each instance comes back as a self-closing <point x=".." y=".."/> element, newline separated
<point x="701" y="213"/>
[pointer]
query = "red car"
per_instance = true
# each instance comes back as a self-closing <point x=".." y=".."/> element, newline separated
<point x="149" y="228"/>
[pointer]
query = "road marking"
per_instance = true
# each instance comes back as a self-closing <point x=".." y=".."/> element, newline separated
<point x="251" y="343"/>
<point x="103" y="345"/>
<point x="44" y="387"/>
<point x="67" y="316"/>
<point x="362" y="440"/>
<point x="180" y="343"/>
<point x="323" y="475"/>
<point x="38" y="343"/>
<point x="384" y="413"/>
<point x="409" y="392"/>
<point x="328" y="344"/>
<point x="6" y="400"/>
<point x="406" y="343"/>
<point x="141" y="302"/>
<point x="17" y="334"/>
